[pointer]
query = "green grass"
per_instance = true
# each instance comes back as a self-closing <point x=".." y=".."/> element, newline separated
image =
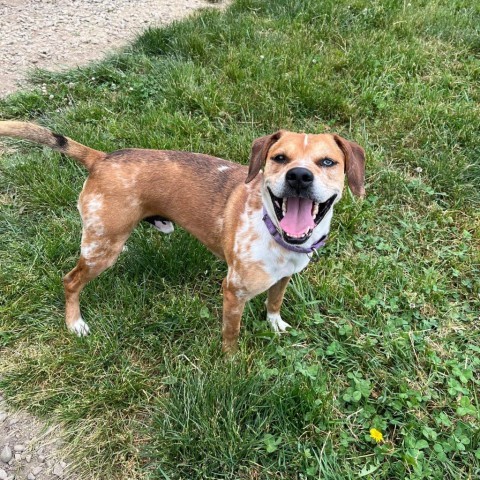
<point x="386" y="326"/>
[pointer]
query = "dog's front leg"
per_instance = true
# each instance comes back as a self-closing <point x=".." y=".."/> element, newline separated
<point x="234" y="301"/>
<point x="274" y="302"/>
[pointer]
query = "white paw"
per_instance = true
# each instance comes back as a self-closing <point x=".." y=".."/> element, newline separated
<point x="278" y="325"/>
<point x="164" y="226"/>
<point x="79" y="328"/>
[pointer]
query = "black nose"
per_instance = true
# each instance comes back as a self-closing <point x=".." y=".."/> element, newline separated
<point x="299" y="178"/>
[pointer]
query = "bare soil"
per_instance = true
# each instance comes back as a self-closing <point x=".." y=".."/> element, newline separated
<point x="58" y="34"/>
<point x="29" y="449"/>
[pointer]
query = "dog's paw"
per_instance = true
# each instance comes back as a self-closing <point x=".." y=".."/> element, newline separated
<point x="278" y="325"/>
<point x="164" y="226"/>
<point x="79" y="328"/>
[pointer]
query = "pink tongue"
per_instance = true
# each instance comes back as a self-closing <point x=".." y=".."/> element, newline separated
<point x="298" y="218"/>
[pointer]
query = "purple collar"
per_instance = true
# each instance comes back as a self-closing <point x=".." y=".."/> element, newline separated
<point x="293" y="248"/>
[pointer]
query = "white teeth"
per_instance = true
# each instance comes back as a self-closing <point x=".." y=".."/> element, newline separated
<point x="302" y="235"/>
<point x="277" y="204"/>
<point x="315" y="209"/>
<point x="284" y="206"/>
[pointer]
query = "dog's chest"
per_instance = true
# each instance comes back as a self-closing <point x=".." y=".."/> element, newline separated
<point x="255" y="247"/>
<point x="277" y="261"/>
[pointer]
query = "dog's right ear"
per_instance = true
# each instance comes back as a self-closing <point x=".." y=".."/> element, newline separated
<point x="260" y="149"/>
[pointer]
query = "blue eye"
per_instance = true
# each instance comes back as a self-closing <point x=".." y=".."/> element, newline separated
<point x="327" y="162"/>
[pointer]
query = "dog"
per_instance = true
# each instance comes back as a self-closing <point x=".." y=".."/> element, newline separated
<point x="265" y="220"/>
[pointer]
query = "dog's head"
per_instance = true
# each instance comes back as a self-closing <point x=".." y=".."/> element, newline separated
<point x="303" y="176"/>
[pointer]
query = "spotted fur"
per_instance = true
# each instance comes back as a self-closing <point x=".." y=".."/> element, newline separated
<point x="219" y="202"/>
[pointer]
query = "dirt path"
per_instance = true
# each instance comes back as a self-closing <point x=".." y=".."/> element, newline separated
<point x="57" y="34"/>
<point x="28" y="449"/>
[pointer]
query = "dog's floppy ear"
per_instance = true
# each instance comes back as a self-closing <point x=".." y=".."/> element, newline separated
<point x="354" y="165"/>
<point x="260" y="149"/>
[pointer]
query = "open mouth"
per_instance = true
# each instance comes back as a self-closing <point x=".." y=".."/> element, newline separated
<point x="299" y="216"/>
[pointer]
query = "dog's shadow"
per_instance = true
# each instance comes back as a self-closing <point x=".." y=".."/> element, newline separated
<point x="176" y="258"/>
<point x="161" y="290"/>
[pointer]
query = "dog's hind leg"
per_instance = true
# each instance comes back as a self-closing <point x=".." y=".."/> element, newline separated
<point x="97" y="255"/>
<point x="103" y="237"/>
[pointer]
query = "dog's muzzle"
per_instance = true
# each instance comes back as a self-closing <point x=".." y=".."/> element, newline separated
<point x="297" y="216"/>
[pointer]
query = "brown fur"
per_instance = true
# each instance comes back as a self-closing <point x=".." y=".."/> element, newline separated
<point x="209" y="197"/>
<point x="354" y="164"/>
<point x="35" y="133"/>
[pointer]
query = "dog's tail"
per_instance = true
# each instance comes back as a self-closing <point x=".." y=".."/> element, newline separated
<point x="35" y="133"/>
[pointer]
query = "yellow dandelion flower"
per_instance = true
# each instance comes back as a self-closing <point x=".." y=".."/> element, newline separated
<point x="376" y="435"/>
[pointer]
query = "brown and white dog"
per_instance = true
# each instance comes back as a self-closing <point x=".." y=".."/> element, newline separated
<point x="265" y="225"/>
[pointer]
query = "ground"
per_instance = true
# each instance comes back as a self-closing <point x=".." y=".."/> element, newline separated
<point x="30" y="448"/>
<point x="44" y="35"/>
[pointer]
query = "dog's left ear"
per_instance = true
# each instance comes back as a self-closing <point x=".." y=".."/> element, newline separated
<point x="354" y="165"/>
<point x="260" y="148"/>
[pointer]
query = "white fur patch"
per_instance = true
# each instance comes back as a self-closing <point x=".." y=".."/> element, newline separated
<point x="222" y="168"/>
<point x="164" y="226"/>
<point x="278" y="325"/>
<point x="79" y="328"/>
<point x="93" y="251"/>
<point x="95" y="204"/>
<point x="89" y="250"/>
<point x="90" y="215"/>
<point x="305" y="141"/>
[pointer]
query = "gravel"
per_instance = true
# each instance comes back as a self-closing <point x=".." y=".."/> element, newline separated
<point x="6" y="454"/>
<point x="57" y="34"/>
<point x="29" y="450"/>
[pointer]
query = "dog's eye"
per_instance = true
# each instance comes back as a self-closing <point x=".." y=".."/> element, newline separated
<point x="327" y="162"/>
<point x="280" y="159"/>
